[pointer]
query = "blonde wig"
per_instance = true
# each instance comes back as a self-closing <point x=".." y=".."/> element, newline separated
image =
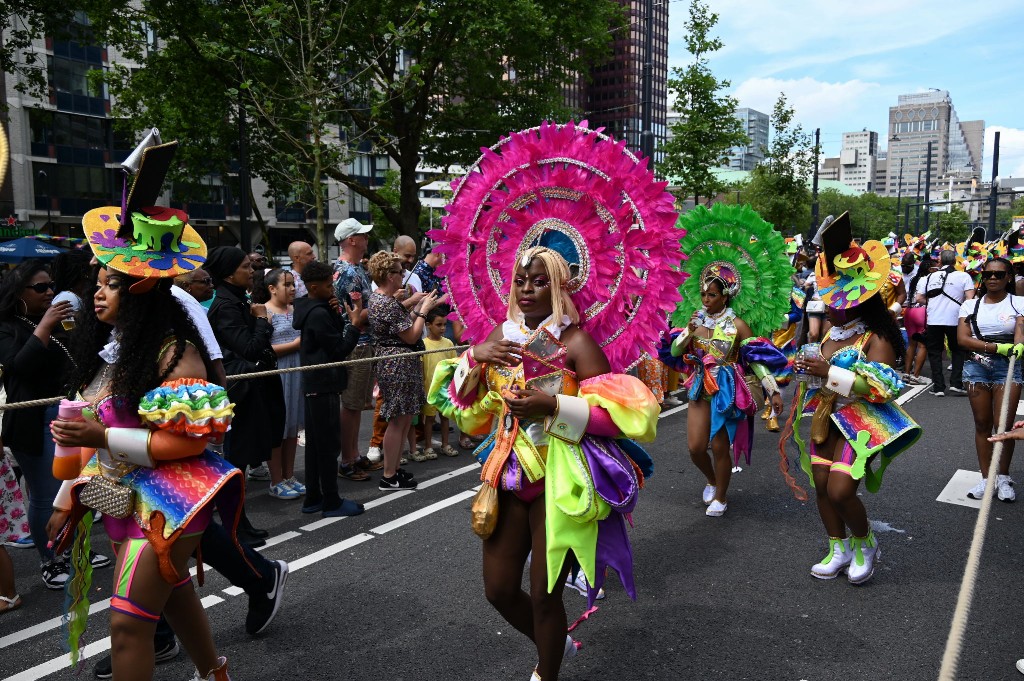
<point x="380" y="264"/>
<point x="558" y="275"/>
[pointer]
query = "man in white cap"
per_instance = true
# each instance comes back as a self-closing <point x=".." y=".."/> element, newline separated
<point x="352" y="286"/>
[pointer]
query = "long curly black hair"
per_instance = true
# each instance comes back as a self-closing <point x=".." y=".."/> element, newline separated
<point x="879" y="320"/>
<point x="146" y="322"/>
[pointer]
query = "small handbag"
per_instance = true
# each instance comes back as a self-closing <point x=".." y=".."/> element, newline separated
<point x="108" y="496"/>
<point x="485" y="511"/>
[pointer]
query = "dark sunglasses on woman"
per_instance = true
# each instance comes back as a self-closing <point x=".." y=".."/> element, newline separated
<point x="998" y="274"/>
<point x="41" y="287"/>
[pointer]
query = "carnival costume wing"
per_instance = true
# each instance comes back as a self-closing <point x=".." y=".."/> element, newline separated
<point x="586" y="196"/>
<point x="737" y="237"/>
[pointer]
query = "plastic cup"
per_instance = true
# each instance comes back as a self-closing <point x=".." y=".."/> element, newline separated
<point x="67" y="461"/>
<point x="68" y="324"/>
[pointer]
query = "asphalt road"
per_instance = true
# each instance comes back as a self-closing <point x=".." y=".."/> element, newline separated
<point x="396" y="593"/>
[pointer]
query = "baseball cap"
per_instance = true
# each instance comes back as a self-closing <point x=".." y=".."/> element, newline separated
<point x="350" y="227"/>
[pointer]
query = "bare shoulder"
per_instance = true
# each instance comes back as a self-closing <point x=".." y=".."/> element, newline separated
<point x="586" y="356"/>
<point x="190" y="365"/>
<point x="742" y="328"/>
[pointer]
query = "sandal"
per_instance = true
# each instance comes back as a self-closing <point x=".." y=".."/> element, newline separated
<point x="448" y="450"/>
<point x="419" y="456"/>
<point x="363" y="463"/>
<point x="10" y="603"/>
<point x="352" y="473"/>
<point x="465" y="442"/>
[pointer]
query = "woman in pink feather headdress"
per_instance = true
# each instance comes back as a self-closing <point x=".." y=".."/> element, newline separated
<point x="557" y="248"/>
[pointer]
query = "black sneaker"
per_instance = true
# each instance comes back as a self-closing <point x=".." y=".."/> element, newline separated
<point x="165" y="652"/>
<point x="937" y="393"/>
<point x="55" y="574"/>
<point x="263" y="608"/>
<point x="403" y="474"/>
<point x="395" y="483"/>
<point x="98" y="560"/>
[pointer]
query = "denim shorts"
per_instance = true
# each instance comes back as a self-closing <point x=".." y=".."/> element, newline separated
<point x="991" y="370"/>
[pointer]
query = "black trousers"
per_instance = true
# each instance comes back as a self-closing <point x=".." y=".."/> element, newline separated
<point x="323" y="447"/>
<point x="934" y="340"/>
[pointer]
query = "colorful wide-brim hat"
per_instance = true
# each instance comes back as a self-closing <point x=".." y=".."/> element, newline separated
<point x="138" y="238"/>
<point x="589" y="198"/>
<point x="849" y="274"/>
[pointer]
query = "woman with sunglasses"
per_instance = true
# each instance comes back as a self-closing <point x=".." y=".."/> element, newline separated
<point x="991" y="328"/>
<point x="36" y="363"/>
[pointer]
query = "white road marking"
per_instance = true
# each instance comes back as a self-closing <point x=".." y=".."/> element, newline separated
<point x="423" y="512"/>
<point x="673" y="410"/>
<point x="911" y="394"/>
<point x="58" y="663"/>
<point x="234" y="591"/>
<point x="449" y="475"/>
<point x="327" y="552"/>
<point x="43" y="627"/>
<point x="955" y="491"/>
<point x="1020" y="408"/>
<point x="277" y="539"/>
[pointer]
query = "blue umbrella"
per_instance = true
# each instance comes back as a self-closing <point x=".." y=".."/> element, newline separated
<point x="26" y="248"/>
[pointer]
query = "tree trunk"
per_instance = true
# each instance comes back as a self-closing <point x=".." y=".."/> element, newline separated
<point x="409" y="208"/>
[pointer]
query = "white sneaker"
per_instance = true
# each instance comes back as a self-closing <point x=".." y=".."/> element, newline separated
<point x="866" y="555"/>
<point x="716" y="509"/>
<point x="580" y="584"/>
<point x="953" y="390"/>
<point x="837" y="560"/>
<point x="260" y="472"/>
<point x="671" y="401"/>
<point x="708" y="495"/>
<point x="978" y="491"/>
<point x="1004" y="488"/>
<point x="373" y="454"/>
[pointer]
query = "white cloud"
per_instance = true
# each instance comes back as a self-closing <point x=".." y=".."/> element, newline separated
<point x="1011" y="151"/>
<point x="817" y="104"/>
<point x="778" y="35"/>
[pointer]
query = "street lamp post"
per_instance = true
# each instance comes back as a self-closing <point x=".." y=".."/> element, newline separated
<point x="917" y="208"/>
<point x="994" y="188"/>
<point x="927" y="186"/>
<point x="42" y="176"/>
<point x="814" y="186"/>
<point x="899" y="194"/>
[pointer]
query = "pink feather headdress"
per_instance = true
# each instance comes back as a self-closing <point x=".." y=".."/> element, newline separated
<point x="593" y="197"/>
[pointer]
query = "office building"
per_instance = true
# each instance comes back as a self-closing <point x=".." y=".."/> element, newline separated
<point x="923" y="117"/>
<point x="755" y="125"/>
<point x="614" y="95"/>
<point x="881" y="169"/>
<point x="857" y="160"/>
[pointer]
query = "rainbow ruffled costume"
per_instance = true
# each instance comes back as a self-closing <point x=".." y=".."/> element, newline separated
<point x="583" y="459"/>
<point x="872" y="423"/>
<point x="173" y="498"/>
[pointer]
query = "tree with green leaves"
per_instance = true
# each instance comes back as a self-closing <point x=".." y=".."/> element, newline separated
<point x="778" y="186"/>
<point x="707" y="128"/>
<point x="422" y="83"/>
<point x="23" y="23"/>
<point x="952" y="226"/>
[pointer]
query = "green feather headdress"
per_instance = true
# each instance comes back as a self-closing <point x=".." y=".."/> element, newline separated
<point x="737" y="237"/>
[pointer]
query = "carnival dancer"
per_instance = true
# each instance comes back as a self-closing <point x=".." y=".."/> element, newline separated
<point x="560" y="468"/>
<point x="141" y="367"/>
<point x="855" y="422"/>
<point x="741" y="276"/>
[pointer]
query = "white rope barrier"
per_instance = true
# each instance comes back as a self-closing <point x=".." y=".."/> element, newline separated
<point x="955" y="642"/>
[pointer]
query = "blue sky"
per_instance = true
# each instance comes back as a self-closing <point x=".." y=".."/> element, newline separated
<point x="842" y="64"/>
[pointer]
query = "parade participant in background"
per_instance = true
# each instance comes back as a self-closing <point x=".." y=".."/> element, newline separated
<point x="739" y="271"/>
<point x="140" y="364"/>
<point x="942" y="293"/>
<point x="198" y="283"/>
<point x="914" y="319"/>
<point x="855" y="419"/>
<point x="243" y="331"/>
<point x="991" y="328"/>
<point x="553" y="334"/>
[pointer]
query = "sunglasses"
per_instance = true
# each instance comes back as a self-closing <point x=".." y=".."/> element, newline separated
<point x="41" y="287"/>
<point x="206" y="281"/>
<point x="996" y="274"/>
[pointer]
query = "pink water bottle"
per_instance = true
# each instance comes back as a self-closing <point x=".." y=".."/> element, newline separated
<point x="67" y="461"/>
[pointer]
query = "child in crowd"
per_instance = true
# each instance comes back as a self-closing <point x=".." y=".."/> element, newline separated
<point x="326" y="337"/>
<point x="437" y="320"/>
